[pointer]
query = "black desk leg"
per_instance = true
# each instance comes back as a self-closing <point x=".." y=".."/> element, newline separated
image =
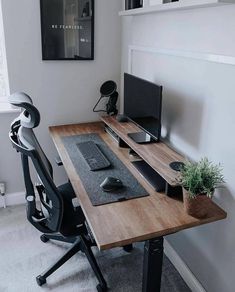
<point x="152" y="269"/>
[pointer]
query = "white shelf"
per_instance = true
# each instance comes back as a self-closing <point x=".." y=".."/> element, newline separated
<point x="180" y="5"/>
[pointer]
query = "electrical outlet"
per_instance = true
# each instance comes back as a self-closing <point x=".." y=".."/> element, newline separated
<point x="2" y="188"/>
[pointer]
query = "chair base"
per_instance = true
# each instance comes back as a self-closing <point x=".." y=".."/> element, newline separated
<point x="101" y="288"/>
<point x="81" y="244"/>
<point x="56" y="236"/>
<point x="40" y="280"/>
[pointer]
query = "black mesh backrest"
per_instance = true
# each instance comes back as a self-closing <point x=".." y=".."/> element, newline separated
<point x="48" y="218"/>
<point x="29" y="118"/>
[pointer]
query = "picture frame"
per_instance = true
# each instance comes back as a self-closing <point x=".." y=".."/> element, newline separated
<point x="67" y="29"/>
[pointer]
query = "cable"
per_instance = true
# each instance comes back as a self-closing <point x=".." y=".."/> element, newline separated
<point x="94" y="108"/>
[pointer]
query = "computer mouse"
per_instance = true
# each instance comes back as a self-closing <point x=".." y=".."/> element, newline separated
<point x="111" y="184"/>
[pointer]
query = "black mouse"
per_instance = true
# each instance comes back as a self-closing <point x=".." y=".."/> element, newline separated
<point x="111" y="184"/>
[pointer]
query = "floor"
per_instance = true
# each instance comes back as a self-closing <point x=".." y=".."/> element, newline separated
<point x="23" y="256"/>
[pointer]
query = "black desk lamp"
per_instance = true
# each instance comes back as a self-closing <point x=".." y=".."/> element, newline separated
<point x="108" y="88"/>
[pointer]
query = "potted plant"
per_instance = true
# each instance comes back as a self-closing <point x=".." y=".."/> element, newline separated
<point x="199" y="180"/>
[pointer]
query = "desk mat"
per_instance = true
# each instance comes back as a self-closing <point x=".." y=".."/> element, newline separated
<point x="92" y="179"/>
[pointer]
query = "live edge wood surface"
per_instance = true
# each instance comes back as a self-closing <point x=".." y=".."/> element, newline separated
<point x="122" y="223"/>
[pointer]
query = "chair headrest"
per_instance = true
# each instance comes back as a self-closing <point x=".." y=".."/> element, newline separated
<point x="30" y="117"/>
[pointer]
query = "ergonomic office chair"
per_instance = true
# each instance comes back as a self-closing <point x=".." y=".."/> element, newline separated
<point x="56" y="217"/>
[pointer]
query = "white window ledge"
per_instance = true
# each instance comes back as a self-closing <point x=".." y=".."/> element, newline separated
<point x="6" y="108"/>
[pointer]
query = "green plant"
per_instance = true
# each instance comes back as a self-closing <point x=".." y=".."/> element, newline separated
<point x="201" y="177"/>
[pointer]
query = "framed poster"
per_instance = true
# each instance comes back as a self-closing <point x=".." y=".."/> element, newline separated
<point x="67" y="29"/>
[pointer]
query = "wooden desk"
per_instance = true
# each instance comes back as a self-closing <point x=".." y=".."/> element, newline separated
<point x="143" y="219"/>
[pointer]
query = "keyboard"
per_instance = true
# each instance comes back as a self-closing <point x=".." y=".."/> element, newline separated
<point x="93" y="156"/>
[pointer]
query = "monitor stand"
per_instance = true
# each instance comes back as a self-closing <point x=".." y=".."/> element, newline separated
<point x="141" y="137"/>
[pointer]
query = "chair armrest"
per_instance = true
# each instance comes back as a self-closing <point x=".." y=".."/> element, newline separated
<point x="58" y="161"/>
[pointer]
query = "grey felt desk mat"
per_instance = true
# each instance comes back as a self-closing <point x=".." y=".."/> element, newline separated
<point x="92" y="179"/>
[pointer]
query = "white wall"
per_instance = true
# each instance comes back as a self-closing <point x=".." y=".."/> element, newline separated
<point x="198" y="117"/>
<point x="63" y="91"/>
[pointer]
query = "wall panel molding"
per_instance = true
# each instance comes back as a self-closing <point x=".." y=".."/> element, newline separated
<point x="208" y="57"/>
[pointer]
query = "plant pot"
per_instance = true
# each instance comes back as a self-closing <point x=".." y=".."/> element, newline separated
<point x="197" y="207"/>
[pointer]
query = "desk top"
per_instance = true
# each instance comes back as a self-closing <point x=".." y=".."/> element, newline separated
<point x="122" y="223"/>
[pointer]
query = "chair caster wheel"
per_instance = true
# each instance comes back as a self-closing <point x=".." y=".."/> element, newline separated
<point x="44" y="238"/>
<point x="128" y="248"/>
<point x="101" y="288"/>
<point x="40" y="280"/>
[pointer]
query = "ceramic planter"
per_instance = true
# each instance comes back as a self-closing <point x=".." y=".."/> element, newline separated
<point x="197" y="207"/>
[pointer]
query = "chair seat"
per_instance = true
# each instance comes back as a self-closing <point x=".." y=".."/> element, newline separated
<point x="67" y="191"/>
<point x="72" y="216"/>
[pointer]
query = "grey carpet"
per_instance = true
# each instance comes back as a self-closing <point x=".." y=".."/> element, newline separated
<point x="23" y="256"/>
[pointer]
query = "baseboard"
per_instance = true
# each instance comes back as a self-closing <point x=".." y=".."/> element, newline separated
<point x="13" y="199"/>
<point x="182" y="268"/>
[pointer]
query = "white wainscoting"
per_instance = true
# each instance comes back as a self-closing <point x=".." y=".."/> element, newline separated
<point x="182" y="268"/>
<point x="13" y="199"/>
<point x="222" y="59"/>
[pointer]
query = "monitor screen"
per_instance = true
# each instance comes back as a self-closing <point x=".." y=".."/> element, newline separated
<point x="143" y="104"/>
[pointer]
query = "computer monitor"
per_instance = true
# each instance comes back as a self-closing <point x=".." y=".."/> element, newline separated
<point x="143" y="106"/>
